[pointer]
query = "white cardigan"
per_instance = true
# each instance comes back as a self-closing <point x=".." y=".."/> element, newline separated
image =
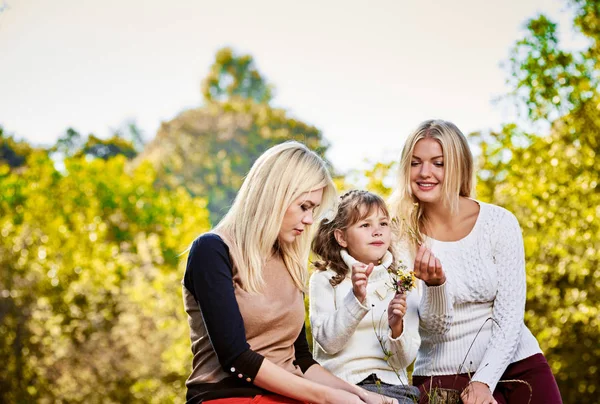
<point x="344" y="330"/>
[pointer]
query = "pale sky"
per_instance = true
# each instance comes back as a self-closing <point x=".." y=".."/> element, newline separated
<point x="364" y="72"/>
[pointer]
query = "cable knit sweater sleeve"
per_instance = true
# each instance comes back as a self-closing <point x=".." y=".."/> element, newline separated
<point x="436" y="308"/>
<point x="333" y="326"/>
<point x="509" y="304"/>
<point x="436" y="305"/>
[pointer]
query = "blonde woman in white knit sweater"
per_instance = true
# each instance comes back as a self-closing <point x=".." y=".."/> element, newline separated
<point x="481" y="249"/>
<point x="363" y="332"/>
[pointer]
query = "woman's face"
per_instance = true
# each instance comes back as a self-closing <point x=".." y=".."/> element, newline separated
<point x="427" y="171"/>
<point x="299" y="215"/>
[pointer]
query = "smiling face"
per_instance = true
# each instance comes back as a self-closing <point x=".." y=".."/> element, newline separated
<point x="427" y="171"/>
<point x="368" y="239"/>
<point x="299" y="215"/>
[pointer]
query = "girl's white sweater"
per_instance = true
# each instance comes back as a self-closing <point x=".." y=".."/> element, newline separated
<point x="486" y="283"/>
<point x="347" y="335"/>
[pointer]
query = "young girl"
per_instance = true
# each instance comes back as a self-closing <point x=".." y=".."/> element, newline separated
<point x="354" y="312"/>
<point x="481" y="248"/>
<point x="243" y="291"/>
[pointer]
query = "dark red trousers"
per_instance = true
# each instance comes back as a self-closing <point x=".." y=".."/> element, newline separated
<point x="533" y="370"/>
<point x="266" y="399"/>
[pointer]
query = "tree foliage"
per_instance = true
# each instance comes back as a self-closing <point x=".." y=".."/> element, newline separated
<point x="235" y="76"/>
<point x="211" y="148"/>
<point x="126" y="140"/>
<point x="12" y="152"/>
<point x="90" y="294"/>
<point x="107" y="148"/>
<point x="551" y="184"/>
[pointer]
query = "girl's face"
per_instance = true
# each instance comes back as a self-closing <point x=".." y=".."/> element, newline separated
<point x="368" y="239"/>
<point x="427" y="171"/>
<point x="299" y="215"/>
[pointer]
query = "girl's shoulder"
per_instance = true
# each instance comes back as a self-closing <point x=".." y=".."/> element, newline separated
<point x="319" y="277"/>
<point x="320" y="274"/>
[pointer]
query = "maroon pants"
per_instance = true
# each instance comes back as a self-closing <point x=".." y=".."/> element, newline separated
<point x="533" y="370"/>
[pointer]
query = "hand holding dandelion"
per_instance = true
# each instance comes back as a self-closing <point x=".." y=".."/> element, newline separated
<point x="396" y="312"/>
<point x="403" y="281"/>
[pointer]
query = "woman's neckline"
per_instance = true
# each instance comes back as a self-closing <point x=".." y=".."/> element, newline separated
<point x="468" y="235"/>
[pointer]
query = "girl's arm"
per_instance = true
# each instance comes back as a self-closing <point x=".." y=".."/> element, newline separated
<point x="333" y="326"/>
<point x="509" y="305"/>
<point x="404" y="346"/>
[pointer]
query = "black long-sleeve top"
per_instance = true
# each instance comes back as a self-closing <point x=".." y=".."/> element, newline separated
<point x="212" y="297"/>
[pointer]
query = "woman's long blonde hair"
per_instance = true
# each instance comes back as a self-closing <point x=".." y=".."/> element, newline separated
<point x="458" y="181"/>
<point x="277" y="178"/>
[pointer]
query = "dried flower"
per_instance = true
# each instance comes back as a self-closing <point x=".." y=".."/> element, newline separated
<point x="402" y="279"/>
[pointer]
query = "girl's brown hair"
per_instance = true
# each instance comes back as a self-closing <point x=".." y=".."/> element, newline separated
<point x="353" y="207"/>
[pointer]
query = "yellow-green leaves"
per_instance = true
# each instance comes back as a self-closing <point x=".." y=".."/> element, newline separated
<point x="90" y="286"/>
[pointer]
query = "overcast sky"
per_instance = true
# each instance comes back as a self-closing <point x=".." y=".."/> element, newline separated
<point x="364" y="72"/>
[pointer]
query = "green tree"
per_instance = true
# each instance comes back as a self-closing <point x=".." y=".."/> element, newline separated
<point x="126" y="140"/>
<point x="13" y="152"/>
<point x="210" y="149"/>
<point x="90" y="293"/>
<point x="377" y="177"/>
<point x="234" y="76"/>
<point x="68" y="144"/>
<point x="107" y="148"/>
<point x="551" y="184"/>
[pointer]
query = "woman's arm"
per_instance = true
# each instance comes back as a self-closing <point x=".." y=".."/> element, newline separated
<point x="320" y="375"/>
<point x="332" y="327"/>
<point x="509" y="305"/>
<point x="273" y="378"/>
<point x="208" y="277"/>
<point x="436" y="309"/>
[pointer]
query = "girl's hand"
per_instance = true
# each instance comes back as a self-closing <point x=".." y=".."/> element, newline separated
<point x="396" y="312"/>
<point x="360" y="278"/>
<point x="477" y="393"/>
<point x="428" y="268"/>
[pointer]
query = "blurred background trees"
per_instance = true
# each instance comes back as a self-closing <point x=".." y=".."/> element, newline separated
<point x="209" y="149"/>
<point x="92" y="229"/>
<point x="551" y="183"/>
<point x="90" y="294"/>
